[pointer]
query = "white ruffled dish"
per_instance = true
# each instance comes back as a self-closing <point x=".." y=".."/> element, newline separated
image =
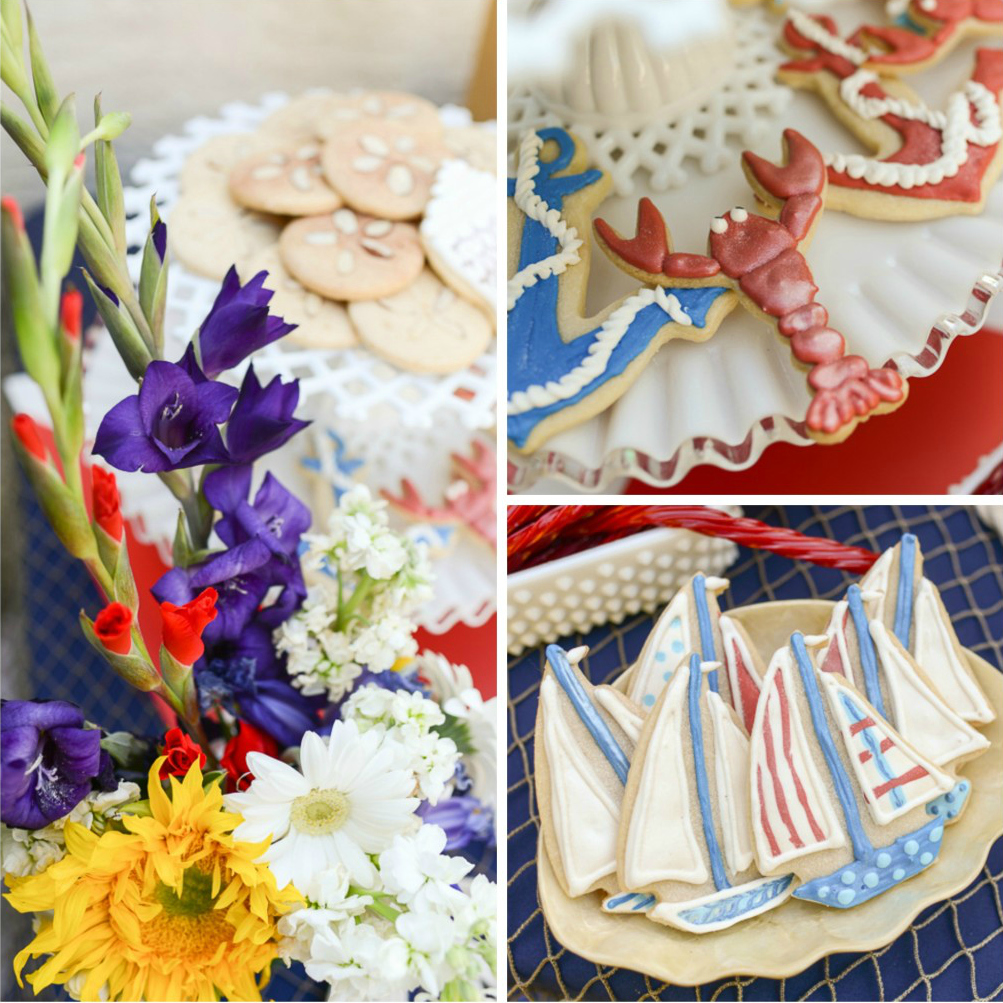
<point x="899" y="293"/>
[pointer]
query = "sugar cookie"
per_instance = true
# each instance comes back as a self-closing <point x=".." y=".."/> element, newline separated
<point x="476" y="144"/>
<point x="346" y="256"/>
<point x="459" y="232"/>
<point x="210" y="232"/>
<point x="377" y="108"/>
<point x="297" y="121"/>
<point x="287" y="182"/>
<point x="382" y="169"/>
<point x="426" y="328"/>
<point x="321" y="323"/>
<point x="209" y="166"/>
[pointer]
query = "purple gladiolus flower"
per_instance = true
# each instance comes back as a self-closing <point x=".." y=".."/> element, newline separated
<point x="464" y="819"/>
<point x="48" y="761"/>
<point x="277" y="518"/>
<point x="171" y="423"/>
<point x="262" y="418"/>
<point x="237" y="325"/>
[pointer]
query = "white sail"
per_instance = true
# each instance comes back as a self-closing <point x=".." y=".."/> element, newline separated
<point x="876" y="579"/>
<point x="731" y="770"/>
<point x="745" y="684"/>
<point x="934" y="650"/>
<point x="893" y="776"/>
<point x="586" y="819"/>
<point x="836" y="657"/>
<point x="668" y="645"/>
<point x="629" y="719"/>
<point x="920" y="715"/>
<point x="662" y="834"/>
<point x="790" y="800"/>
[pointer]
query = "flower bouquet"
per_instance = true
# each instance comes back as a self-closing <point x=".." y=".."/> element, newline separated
<point x="323" y="794"/>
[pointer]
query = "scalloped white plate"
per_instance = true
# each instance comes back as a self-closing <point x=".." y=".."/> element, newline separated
<point x="897" y="292"/>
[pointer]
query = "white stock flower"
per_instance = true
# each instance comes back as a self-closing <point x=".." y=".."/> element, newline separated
<point x="481" y="764"/>
<point x="380" y="644"/>
<point x="414" y="866"/>
<point x="350" y="800"/>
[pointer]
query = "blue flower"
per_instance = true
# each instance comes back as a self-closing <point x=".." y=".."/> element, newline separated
<point x="465" y="820"/>
<point x="171" y="423"/>
<point x="262" y="419"/>
<point x="237" y="325"/>
<point x="48" y="760"/>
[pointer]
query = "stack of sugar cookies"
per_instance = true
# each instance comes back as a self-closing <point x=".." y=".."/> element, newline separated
<point x="374" y="221"/>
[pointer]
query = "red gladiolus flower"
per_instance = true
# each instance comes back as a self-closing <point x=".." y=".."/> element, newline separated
<point x="113" y="626"/>
<point x="234" y="761"/>
<point x="106" y="502"/>
<point x="10" y="204"/>
<point x="30" y="436"/>
<point x="183" y="626"/>
<point x="71" y="312"/>
<point x="181" y="752"/>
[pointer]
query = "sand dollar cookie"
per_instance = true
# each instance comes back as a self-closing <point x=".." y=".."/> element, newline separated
<point x="297" y="121"/>
<point x="378" y="108"/>
<point x="459" y="231"/>
<point x="348" y="256"/>
<point x="210" y="232"/>
<point x="288" y="182"/>
<point x="476" y="144"/>
<point x="322" y="323"/>
<point x="383" y="169"/>
<point x="209" y="166"/>
<point x="426" y="328"/>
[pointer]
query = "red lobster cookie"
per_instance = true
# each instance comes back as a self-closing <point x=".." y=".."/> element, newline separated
<point x="760" y="260"/>
<point x="926" y="163"/>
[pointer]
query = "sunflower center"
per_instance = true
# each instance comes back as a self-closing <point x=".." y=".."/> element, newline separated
<point x="187" y="926"/>
<point x="320" y="812"/>
<point x="195" y="898"/>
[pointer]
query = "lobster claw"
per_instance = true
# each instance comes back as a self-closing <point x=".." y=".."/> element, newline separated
<point x="647" y="250"/>
<point x="802" y="172"/>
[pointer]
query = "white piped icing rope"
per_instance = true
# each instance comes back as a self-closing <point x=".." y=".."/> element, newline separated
<point x="820" y="35"/>
<point x="956" y="127"/>
<point x="535" y="208"/>
<point x="594" y="365"/>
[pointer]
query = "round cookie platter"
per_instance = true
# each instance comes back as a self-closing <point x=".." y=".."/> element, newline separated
<point x="762" y="946"/>
<point x="899" y="292"/>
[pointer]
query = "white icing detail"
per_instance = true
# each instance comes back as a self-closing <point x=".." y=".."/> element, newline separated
<point x="937" y="655"/>
<point x="325" y="237"/>
<point x="607" y="338"/>
<point x="871" y="595"/>
<point x="367" y="165"/>
<point x="374" y="145"/>
<point x="661" y="842"/>
<point x="670" y="913"/>
<point x="718" y="224"/>
<point x="955" y="125"/>
<point x="815" y="789"/>
<point x="575" y="655"/>
<point x="731" y="638"/>
<point x="345" y="263"/>
<point x="739" y="215"/>
<point x="277" y="158"/>
<point x="404" y="144"/>
<point x="300" y="178"/>
<point x="876" y="579"/>
<point x="372" y="106"/>
<point x="731" y="770"/>
<point x="920" y="715"/>
<point x="400" y="180"/>
<point x="815" y="640"/>
<point x="710" y="666"/>
<point x="900" y="756"/>
<point x="809" y="28"/>
<point x="533" y="207"/>
<point x="928" y="5"/>
<point x="377" y="248"/>
<point x="649" y="672"/>
<point x="715" y="584"/>
<point x="265" y="172"/>
<point x="585" y="816"/>
<point x="423" y="164"/>
<point x="837" y="635"/>
<point x="308" y="152"/>
<point x="377" y="228"/>
<point x="345" y="220"/>
<point x="628" y="719"/>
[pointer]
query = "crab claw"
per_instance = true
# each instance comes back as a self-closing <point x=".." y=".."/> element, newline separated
<point x="647" y="250"/>
<point x="802" y="172"/>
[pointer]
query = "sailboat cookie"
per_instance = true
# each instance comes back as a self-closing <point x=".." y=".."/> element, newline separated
<point x="685" y="854"/>
<point x="585" y="737"/>
<point x="910" y="606"/>
<point x="839" y="797"/>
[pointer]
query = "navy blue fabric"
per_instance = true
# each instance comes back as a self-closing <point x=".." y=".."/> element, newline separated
<point x="953" y="951"/>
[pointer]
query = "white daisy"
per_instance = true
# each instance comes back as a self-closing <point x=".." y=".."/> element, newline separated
<point x="350" y="800"/>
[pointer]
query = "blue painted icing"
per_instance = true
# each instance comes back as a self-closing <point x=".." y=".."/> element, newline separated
<point x="660" y="656"/>
<point x="869" y="739"/>
<point x="649" y="700"/>
<point x="629" y="902"/>
<point x="344" y="465"/>
<point x="877" y="871"/>
<point x="537" y="353"/>
<point x="948" y="805"/>
<point x="733" y="907"/>
<point x="706" y="628"/>
<point x="703" y="786"/>
<point x="868" y="656"/>
<point x="903" y="599"/>
<point x="862" y="847"/>
<point x="591" y="718"/>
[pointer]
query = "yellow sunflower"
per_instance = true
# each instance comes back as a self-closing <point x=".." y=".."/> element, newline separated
<point x="174" y="908"/>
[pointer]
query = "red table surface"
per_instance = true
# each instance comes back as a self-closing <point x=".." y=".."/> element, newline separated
<point x="948" y="423"/>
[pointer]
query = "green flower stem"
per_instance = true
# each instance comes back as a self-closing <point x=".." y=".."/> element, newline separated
<point x="198" y="516"/>
<point x="347" y="610"/>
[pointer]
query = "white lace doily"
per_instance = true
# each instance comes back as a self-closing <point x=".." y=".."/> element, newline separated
<point x="708" y="138"/>
<point x="353" y="383"/>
